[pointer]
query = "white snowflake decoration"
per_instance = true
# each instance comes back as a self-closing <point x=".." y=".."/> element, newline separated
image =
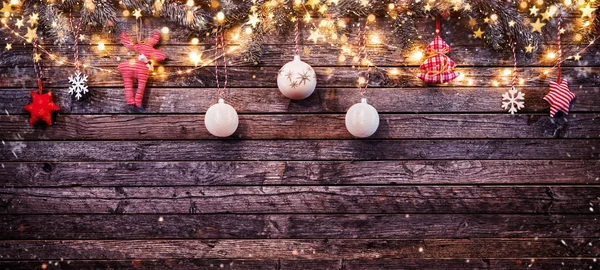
<point x="78" y="86"/>
<point x="513" y="100"/>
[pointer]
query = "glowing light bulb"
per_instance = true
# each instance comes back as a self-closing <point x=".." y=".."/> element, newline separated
<point x="371" y="18"/>
<point x="374" y="38"/>
<point x="195" y="41"/>
<point x="195" y="58"/>
<point x="551" y="55"/>
<point x="190" y="3"/>
<point x="165" y="30"/>
<point x="507" y="72"/>
<point x="417" y="55"/>
<point x="523" y="5"/>
<point x="248" y="30"/>
<point x="361" y="80"/>
<point x="494" y="17"/>
<point x="391" y="6"/>
<point x="101" y="46"/>
<point x="220" y="16"/>
<point x="14" y="2"/>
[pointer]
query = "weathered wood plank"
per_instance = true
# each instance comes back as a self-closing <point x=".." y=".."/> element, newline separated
<point x="337" y="100"/>
<point x="326" y="76"/>
<point x="418" y="226"/>
<point x="314" y="126"/>
<point x="300" y="173"/>
<point x="214" y="150"/>
<point x="301" y="199"/>
<point x="158" y="264"/>
<point x="298" y="249"/>
<point x="369" y="264"/>
<point x="277" y="55"/>
<point x="472" y="263"/>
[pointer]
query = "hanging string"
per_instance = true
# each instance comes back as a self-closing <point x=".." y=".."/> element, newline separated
<point x="37" y="66"/>
<point x="437" y="26"/>
<point x="559" y="48"/>
<point x="514" y="79"/>
<point x="296" y="36"/>
<point x="75" y="39"/>
<point x="362" y="56"/>
<point x="220" y="42"/>
<point x="139" y="24"/>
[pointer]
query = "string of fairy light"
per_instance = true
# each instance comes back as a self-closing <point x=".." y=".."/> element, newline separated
<point x="327" y="29"/>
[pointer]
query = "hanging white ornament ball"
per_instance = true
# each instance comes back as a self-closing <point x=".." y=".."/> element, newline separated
<point x="362" y="120"/>
<point x="221" y="119"/>
<point x="296" y="79"/>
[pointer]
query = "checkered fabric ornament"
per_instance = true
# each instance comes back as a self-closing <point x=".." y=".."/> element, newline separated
<point x="438" y="68"/>
<point x="559" y="97"/>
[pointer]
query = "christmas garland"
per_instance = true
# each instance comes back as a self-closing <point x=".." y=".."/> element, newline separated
<point x="510" y="21"/>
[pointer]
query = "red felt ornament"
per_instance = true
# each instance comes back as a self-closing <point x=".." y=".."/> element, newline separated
<point x="41" y="107"/>
<point x="438" y="68"/>
<point x="139" y="69"/>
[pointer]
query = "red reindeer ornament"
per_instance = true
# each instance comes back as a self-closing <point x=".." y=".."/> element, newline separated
<point x="139" y="68"/>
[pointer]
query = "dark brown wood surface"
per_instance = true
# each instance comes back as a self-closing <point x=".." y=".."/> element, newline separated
<point x="449" y="180"/>
<point x="249" y="264"/>
<point x="297" y="226"/>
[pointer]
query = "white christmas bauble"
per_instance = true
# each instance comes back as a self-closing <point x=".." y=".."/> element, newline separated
<point x="221" y="119"/>
<point x="296" y="79"/>
<point x="362" y="120"/>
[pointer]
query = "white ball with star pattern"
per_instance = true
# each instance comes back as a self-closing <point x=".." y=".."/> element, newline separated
<point x="221" y="119"/>
<point x="296" y="79"/>
<point x="362" y="119"/>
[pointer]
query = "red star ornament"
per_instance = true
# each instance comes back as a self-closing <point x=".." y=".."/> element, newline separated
<point x="41" y="107"/>
<point x="559" y="97"/>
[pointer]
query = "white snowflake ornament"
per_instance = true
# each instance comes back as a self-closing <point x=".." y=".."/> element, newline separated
<point x="513" y="100"/>
<point x="78" y="85"/>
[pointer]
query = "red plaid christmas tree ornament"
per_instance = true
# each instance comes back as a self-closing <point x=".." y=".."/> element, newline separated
<point x="139" y="68"/>
<point x="438" y="68"/>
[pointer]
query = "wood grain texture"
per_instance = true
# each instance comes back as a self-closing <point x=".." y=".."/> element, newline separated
<point x="207" y="150"/>
<point x="300" y="199"/>
<point x="227" y="226"/>
<point x="470" y="263"/>
<point x="270" y="100"/>
<point x="157" y="264"/>
<point x="276" y="55"/>
<point x="217" y="173"/>
<point x="449" y="181"/>
<point x="327" y="249"/>
<point x="303" y="126"/>
<point x="264" y="76"/>
<point x="383" y="264"/>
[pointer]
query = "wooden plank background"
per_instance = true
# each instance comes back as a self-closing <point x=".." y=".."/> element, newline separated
<point x="449" y="181"/>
